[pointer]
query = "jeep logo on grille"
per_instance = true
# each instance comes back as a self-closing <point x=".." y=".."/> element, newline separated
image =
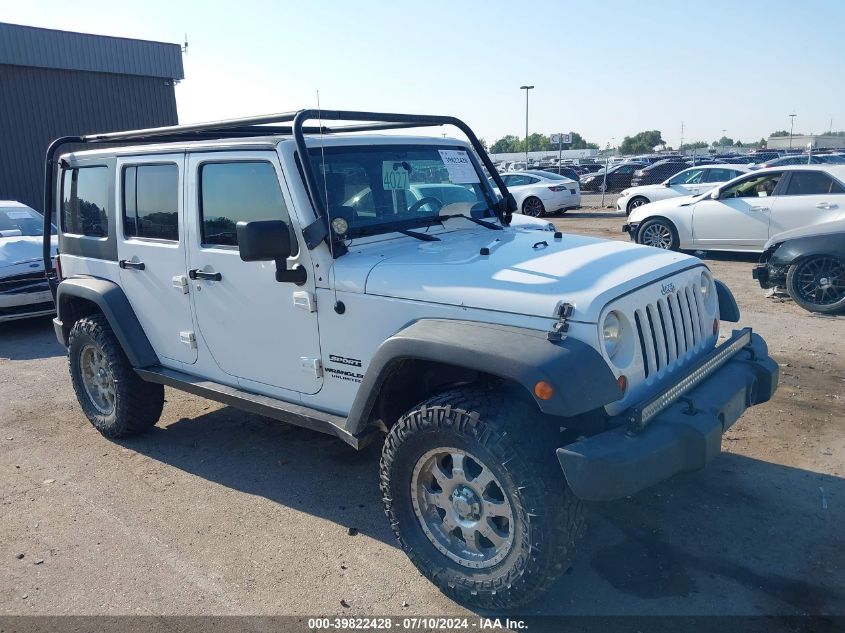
<point x="666" y="289"/>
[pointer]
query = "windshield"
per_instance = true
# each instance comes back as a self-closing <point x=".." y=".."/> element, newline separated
<point x="21" y="222"/>
<point x="376" y="189"/>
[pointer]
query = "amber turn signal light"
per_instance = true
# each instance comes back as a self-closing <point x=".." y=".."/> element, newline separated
<point x="543" y="390"/>
<point x="622" y="381"/>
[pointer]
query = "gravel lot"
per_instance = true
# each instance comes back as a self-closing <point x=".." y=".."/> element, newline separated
<point x="222" y="512"/>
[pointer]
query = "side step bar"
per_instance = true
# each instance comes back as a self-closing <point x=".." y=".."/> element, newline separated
<point x="261" y="405"/>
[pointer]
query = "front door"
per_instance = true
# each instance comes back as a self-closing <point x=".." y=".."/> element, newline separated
<point x="246" y="318"/>
<point x="151" y="252"/>
<point x="739" y="219"/>
<point x="810" y="197"/>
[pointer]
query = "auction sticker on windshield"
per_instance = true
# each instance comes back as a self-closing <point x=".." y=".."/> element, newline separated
<point x="395" y="175"/>
<point x="460" y="167"/>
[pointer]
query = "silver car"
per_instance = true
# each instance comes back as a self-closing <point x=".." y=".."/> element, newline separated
<point x="23" y="288"/>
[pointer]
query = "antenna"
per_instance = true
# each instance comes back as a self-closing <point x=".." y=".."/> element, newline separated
<point x="338" y="306"/>
<point x="185" y="45"/>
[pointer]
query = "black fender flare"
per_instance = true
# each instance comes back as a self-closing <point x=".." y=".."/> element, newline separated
<point x="112" y="302"/>
<point x="581" y="379"/>
<point x="728" y="308"/>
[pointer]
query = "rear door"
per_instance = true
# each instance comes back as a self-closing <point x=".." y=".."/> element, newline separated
<point x="151" y="252"/>
<point x="259" y="330"/>
<point x="810" y="197"/>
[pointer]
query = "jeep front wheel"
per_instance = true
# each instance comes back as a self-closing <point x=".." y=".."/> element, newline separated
<point x="477" y="499"/>
<point x="112" y="396"/>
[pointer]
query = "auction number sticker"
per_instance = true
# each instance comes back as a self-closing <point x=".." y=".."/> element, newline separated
<point x="460" y="167"/>
<point x="395" y="175"/>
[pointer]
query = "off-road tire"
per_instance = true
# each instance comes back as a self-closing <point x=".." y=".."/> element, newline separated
<point x="518" y="445"/>
<point x="137" y="404"/>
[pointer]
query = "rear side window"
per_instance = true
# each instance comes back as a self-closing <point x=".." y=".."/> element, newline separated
<point x="232" y="192"/>
<point x="151" y="202"/>
<point x="720" y="175"/>
<point x="811" y="183"/>
<point x="85" y="192"/>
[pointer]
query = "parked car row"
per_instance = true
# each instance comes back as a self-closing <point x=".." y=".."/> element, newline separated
<point x="793" y="215"/>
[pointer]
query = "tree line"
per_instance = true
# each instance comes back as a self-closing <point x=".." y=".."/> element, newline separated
<point x="640" y="143"/>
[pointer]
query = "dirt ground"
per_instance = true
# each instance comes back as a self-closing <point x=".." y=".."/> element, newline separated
<point x="221" y="512"/>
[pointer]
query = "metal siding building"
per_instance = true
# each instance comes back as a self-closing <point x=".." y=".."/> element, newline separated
<point x="56" y="83"/>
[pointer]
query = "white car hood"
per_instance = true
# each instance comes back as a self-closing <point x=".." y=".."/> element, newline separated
<point x="515" y="277"/>
<point x="22" y="251"/>
<point x="826" y="228"/>
<point x="661" y="206"/>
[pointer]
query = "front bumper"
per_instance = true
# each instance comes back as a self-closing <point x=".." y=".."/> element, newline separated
<point x="24" y="296"/>
<point x="631" y="229"/>
<point x="683" y="437"/>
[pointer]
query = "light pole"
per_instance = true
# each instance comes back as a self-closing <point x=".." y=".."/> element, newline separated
<point x="526" y="89"/>
<point x="791" y="127"/>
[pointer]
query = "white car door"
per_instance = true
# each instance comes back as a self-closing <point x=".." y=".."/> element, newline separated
<point x="810" y="197"/>
<point x="259" y="330"/>
<point x="151" y="241"/>
<point x="739" y="218"/>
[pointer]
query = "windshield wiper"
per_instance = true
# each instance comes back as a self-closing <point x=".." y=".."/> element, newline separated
<point x="420" y="236"/>
<point x="489" y="225"/>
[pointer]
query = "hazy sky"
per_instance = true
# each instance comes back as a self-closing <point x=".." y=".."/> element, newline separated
<point x="602" y="68"/>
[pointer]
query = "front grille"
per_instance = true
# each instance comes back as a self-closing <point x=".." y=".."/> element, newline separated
<point x="31" y="308"/>
<point x="26" y="282"/>
<point x="671" y="329"/>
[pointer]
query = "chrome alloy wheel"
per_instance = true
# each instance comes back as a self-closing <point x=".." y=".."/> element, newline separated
<point x="657" y="235"/>
<point x="97" y="379"/>
<point x="462" y="508"/>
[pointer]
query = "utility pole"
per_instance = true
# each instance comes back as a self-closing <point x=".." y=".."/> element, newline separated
<point x="681" y="146"/>
<point x="526" y="89"/>
<point x="791" y="127"/>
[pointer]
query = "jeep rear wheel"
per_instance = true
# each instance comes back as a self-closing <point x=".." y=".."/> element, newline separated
<point x="476" y="497"/>
<point x="112" y="396"/>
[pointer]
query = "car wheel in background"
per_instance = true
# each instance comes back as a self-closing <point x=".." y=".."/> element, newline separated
<point x="817" y="284"/>
<point x="636" y="201"/>
<point x="659" y="233"/>
<point x="533" y="207"/>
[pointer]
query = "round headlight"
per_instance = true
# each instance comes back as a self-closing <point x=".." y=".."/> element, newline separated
<point x="706" y="288"/>
<point x="611" y="334"/>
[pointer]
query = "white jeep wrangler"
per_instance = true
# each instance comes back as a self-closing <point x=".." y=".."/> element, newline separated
<point x="364" y="285"/>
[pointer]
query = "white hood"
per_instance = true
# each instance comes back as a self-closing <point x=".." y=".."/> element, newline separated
<point x="515" y="277"/>
<point x="21" y="252"/>
<point x="655" y="208"/>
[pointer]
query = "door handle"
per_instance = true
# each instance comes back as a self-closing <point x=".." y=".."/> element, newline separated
<point x="825" y="205"/>
<point x="759" y="208"/>
<point x="196" y="273"/>
<point x="125" y="263"/>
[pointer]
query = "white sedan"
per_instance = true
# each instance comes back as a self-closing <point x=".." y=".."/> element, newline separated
<point x="688" y="182"/>
<point x="743" y="213"/>
<point x="539" y="192"/>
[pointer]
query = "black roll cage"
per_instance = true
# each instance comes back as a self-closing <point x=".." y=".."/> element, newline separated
<point x="257" y="126"/>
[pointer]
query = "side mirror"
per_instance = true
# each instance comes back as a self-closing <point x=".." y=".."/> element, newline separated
<point x="263" y="240"/>
<point x="714" y="195"/>
<point x="266" y="241"/>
